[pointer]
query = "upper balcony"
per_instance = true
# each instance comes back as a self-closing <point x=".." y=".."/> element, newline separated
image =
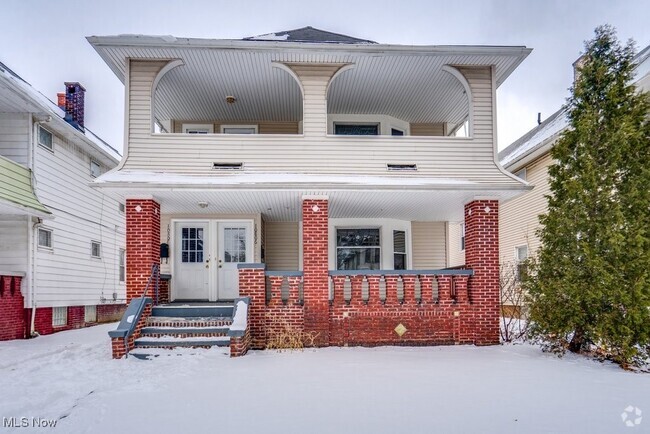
<point x="196" y="106"/>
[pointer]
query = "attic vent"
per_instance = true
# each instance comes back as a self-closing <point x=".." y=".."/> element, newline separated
<point x="227" y="166"/>
<point x="408" y="167"/>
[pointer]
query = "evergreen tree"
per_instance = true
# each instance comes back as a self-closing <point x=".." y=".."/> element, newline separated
<point x="590" y="284"/>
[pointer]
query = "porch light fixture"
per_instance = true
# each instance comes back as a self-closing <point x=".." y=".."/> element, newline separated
<point x="203" y="204"/>
<point x="230" y="99"/>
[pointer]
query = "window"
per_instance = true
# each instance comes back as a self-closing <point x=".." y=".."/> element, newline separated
<point x="59" y="316"/>
<point x="95" y="169"/>
<point x="192" y="245"/>
<point x="521" y="254"/>
<point x="396" y="132"/>
<point x="90" y="313"/>
<point x="44" y="238"/>
<point x="121" y="207"/>
<point x="462" y="236"/>
<point x="239" y="129"/>
<point x="357" y="249"/>
<point x="521" y="174"/>
<point x="234" y="245"/>
<point x="122" y="266"/>
<point x="356" y="129"/>
<point x="45" y="138"/>
<point x="198" y="128"/>
<point x="399" y="250"/>
<point x="95" y="249"/>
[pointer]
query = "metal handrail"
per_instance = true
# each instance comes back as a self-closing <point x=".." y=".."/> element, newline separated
<point x="155" y="272"/>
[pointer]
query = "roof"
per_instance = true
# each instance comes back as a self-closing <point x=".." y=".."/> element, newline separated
<point x="309" y="35"/>
<point x="16" y="189"/>
<point x="540" y="139"/>
<point x="50" y="108"/>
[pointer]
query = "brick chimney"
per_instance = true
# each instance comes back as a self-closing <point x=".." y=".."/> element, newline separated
<point x="60" y="100"/>
<point x="74" y="104"/>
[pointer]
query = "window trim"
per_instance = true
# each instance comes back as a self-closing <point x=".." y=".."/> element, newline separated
<point x="99" y="169"/>
<point x="462" y="237"/>
<point x="405" y="252"/>
<point x="186" y="127"/>
<point x="363" y="227"/>
<point x="38" y="139"/>
<point x="254" y="127"/>
<point x="38" y="238"/>
<point x="121" y="265"/>
<point x="62" y="317"/>
<point x="92" y="243"/>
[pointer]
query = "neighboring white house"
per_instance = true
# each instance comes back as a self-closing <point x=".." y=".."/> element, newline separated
<point x="70" y="256"/>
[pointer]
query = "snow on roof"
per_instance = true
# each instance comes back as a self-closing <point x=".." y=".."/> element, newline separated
<point x="309" y="34"/>
<point x="51" y="108"/>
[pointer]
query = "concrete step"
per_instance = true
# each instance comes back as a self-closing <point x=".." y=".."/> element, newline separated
<point x="191" y="322"/>
<point x="184" y="332"/>
<point x="172" y="342"/>
<point x="189" y="311"/>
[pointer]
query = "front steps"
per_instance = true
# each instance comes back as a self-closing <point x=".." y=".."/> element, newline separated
<point x="174" y="326"/>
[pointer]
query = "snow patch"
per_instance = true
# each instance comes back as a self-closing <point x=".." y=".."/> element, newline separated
<point x="130" y="318"/>
<point x="269" y="37"/>
<point x="240" y="321"/>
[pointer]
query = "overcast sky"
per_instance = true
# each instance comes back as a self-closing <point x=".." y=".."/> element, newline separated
<point x="44" y="40"/>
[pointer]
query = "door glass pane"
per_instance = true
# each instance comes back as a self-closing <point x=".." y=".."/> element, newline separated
<point x="192" y="245"/>
<point x="234" y="245"/>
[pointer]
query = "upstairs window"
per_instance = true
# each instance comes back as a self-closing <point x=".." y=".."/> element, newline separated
<point x="45" y="238"/>
<point x="198" y="128"/>
<point x="95" y="169"/>
<point x="96" y="249"/>
<point x="239" y="129"/>
<point x="356" y="129"/>
<point x="396" y="132"/>
<point x="358" y="249"/>
<point x="45" y="138"/>
<point x="122" y="269"/>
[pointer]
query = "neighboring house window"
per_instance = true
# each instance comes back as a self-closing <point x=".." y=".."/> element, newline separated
<point x="521" y="254"/>
<point x="95" y="169"/>
<point x="462" y="236"/>
<point x="59" y="316"/>
<point x="90" y="313"/>
<point x="198" y="128"/>
<point x="521" y="174"/>
<point x="396" y="132"/>
<point x="44" y="238"/>
<point x="239" y="129"/>
<point x="399" y="250"/>
<point x="45" y="138"/>
<point x="122" y="269"/>
<point x="95" y="249"/>
<point x="121" y="207"/>
<point x="357" y="249"/>
<point x="356" y="129"/>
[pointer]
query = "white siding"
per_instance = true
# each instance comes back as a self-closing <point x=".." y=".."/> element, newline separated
<point x="428" y="245"/>
<point x="67" y="275"/>
<point x="471" y="159"/>
<point x="282" y="245"/>
<point x="519" y="217"/>
<point x="13" y="244"/>
<point x="14" y="137"/>
<point x="455" y="256"/>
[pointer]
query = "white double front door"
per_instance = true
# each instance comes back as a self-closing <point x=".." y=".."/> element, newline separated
<point x="206" y="254"/>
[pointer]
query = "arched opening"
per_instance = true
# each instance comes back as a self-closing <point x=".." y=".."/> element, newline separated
<point x="223" y="94"/>
<point x="399" y="96"/>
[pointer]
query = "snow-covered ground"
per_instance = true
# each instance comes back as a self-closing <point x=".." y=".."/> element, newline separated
<point x="70" y="376"/>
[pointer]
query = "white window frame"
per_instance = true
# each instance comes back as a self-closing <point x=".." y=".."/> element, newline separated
<point x="49" y="147"/>
<point x="92" y="253"/>
<point x="255" y="128"/>
<point x="90" y="313"/>
<point x="60" y="316"/>
<point x="188" y="128"/>
<point x="463" y="240"/>
<point x="519" y="260"/>
<point x="121" y="270"/>
<point x="38" y="238"/>
<point x="405" y="252"/>
<point x="522" y="174"/>
<point x="93" y="164"/>
<point x="360" y="228"/>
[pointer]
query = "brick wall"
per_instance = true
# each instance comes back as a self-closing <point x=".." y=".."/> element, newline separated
<point x="315" y="268"/>
<point x="12" y="317"/>
<point x="482" y="256"/>
<point x="118" y="346"/>
<point x="110" y="312"/>
<point x="251" y="284"/>
<point x="142" y="244"/>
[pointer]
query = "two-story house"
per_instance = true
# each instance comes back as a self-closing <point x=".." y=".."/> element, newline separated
<point x="62" y="243"/>
<point x="316" y="174"/>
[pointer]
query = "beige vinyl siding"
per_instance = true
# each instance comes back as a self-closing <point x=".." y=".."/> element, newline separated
<point x="455" y="255"/>
<point x="428" y="245"/>
<point x="67" y="275"/>
<point x="14" y="137"/>
<point x="427" y="129"/>
<point x="445" y="157"/>
<point x="519" y="217"/>
<point x="264" y="127"/>
<point x="166" y="228"/>
<point x="282" y="245"/>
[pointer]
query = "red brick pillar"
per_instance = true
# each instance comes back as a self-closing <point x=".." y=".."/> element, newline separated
<point x="482" y="256"/>
<point x="142" y="244"/>
<point x="315" y="268"/>
<point x="252" y="284"/>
